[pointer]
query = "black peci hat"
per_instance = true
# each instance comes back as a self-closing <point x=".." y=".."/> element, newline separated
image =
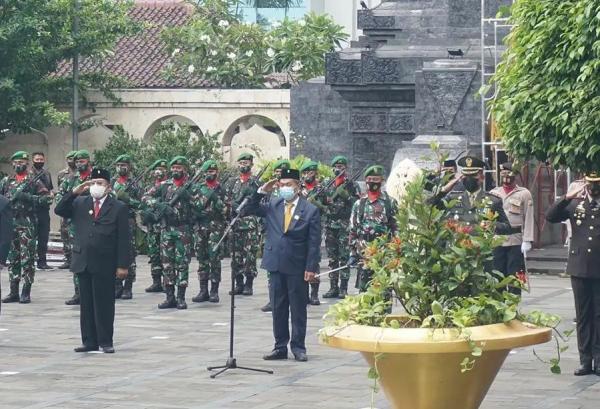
<point x="290" y="174"/>
<point x="99" y="173"/>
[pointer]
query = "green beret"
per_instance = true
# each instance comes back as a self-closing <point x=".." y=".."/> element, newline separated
<point x="71" y="155"/>
<point x="82" y="154"/>
<point x="245" y="156"/>
<point x="125" y="158"/>
<point x="342" y="160"/>
<point x="282" y="164"/>
<point x="20" y="155"/>
<point x="179" y="160"/>
<point x="209" y="165"/>
<point x="375" y="170"/>
<point x="309" y="165"/>
<point x="159" y="162"/>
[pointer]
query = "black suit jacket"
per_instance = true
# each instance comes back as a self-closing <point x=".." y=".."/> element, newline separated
<point x="298" y="249"/>
<point x="101" y="245"/>
<point x="6" y="228"/>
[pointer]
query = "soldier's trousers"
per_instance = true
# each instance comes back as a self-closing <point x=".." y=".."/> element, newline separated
<point x="153" y="238"/>
<point x="22" y="255"/>
<point x="131" y="272"/>
<point x="175" y="243"/>
<point x="587" y="310"/>
<point x="336" y="243"/>
<point x="363" y="277"/>
<point x="71" y="234"/>
<point x="509" y="260"/>
<point x="209" y="262"/>
<point x="244" y="249"/>
<point x="43" y="233"/>
<point x="66" y="239"/>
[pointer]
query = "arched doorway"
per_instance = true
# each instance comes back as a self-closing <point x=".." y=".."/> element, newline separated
<point x="257" y="134"/>
<point x="171" y="119"/>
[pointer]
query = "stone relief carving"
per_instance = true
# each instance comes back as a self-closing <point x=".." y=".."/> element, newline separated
<point x="340" y="71"/>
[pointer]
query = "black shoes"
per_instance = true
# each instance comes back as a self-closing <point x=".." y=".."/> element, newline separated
<point x="248" y="286"/>
<point x="334" y="290"/>
<point x="118" y="289"/>
<point x="73" y="300"/>
<point x="267" y="307"/>
<point x="584" y="369"/>
<point x="156" y="286"/>
<point x="13" y="296"/>
<point x="300" y="357"/>
<point x="107" y="350"/>
<point x="276" y="355"/>
<point x="343" y="289"/>
<point x="239" y="285"/>
<point x="65" y="266"/>
<point x="127" y="290"/>
<point x="203" y="294"/>
<point x="25" y="294"/>
<point x="181" y="304"/>
<point x="214" y="292"/>
<point x="43" y="266"/>
<point x="85" y="348"/>
<point x="170" y="302"/>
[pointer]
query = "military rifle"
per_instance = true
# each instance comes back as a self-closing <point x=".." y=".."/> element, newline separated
<point x="355" y="176"/>
<point x="31" y="181"/>
<point x="177" y="196"/>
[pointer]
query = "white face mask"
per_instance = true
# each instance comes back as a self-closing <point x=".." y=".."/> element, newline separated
<point x="97" y="191"/>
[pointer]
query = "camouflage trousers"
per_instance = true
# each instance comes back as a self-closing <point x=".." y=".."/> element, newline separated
<point x="66" y="239"/>
<point x="71" y="237"/>
<point x="175" y="246"/>
<point x="22" y="255"/>
<point x="153" y="238"/>
<point x="363" y="277"/>
<point x="244" y="246"/>
<point x="209" y="262"/>
<point x="132" y="250"/>
<point x="338" y="251"/>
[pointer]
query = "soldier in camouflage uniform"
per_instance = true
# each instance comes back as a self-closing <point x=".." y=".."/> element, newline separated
<point x="82" y="174"/>
<point x="245" y="237"/>
<point x="24" y="197"/>
<point x="209" y="200"/>
<point x="176" y="233"/>
<point x="63" y="175"/>
<point x="130" y="193"/>
<point x="159" y="174"/>
<point x="339" y="198"/>
<point x="372" y="216"/>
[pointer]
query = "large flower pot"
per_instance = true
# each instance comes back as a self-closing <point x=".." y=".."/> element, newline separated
<point x="420" y="368"/>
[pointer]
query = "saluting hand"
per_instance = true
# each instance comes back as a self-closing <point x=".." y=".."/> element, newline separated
<point x="577" y="191"/>
<point x="269" y="186"/>
<point x="84" y="187"/>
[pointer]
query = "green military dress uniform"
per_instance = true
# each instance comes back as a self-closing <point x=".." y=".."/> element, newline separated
<point x="63" y="175"/>
<point x="24" y="196"/>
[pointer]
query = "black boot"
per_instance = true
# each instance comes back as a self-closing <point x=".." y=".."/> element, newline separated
<point x="75" y="299"/>
<point x="314" y="294"/>
<point x="181" y="304"/>
<point x="343" y="289"/>
<point x="13" y="296"/>
<point x="65" y="266"/>
<point x="334" y="290"/>
<point x="248" y="286"/>
<point x="267" y="307"/>
<point x="156" y="286"/>
<point x="585" y="369"/>
<point x="170" y="302"/>
<point x="25" y="294"/>
<point x="239" y="284"/>
<point x="203" y="294"/>
<point x="214" y="291"/>
<point x="118" y="289"/>
<point x="127" y="290"/>
<point x="43" y="265"/>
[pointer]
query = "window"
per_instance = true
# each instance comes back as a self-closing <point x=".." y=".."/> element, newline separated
<point x="267" y="12"/>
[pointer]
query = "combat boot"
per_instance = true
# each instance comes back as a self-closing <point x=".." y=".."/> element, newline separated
<point x="334" y="290"/>
<point x="75" y="299"/>
<point x="239" y="285"/>
<point x="127" y="290"/>
<point x="65" y="266"/>
<point x="25" y="294"/>
<point x="170" y="302"/>
<point x="118" y="289"/>
<point x="314" y="294"/>
<point x="343" y="289"/>
<point x="181" y="304"/>
<point x="203" y="294"/>
<point x="267" y="307"/>
<point x="13" y="296"/>
<point x="214" y="291"/>
<point x="156" y="286"/>
<point x="248" y="286"/>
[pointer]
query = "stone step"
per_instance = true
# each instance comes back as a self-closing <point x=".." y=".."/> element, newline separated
<point x="556" y="268"/>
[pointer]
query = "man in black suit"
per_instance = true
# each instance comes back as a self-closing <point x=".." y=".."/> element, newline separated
<point x="100" y="252"/>
<point x="291" y="256"/>
<point x="6" y="230"/>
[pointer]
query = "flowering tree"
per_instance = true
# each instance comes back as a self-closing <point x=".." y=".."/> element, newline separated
<point x="217" y="46"/>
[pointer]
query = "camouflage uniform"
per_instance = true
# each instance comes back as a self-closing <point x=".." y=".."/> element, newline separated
<point x="63" y="175"/>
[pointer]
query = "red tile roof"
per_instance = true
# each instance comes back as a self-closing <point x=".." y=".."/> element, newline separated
<point x="140" y="59"/>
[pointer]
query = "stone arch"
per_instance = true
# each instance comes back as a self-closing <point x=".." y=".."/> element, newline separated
<point x="248" y="121"/>
<point x="257" y="134"/>
<point x="180" y="119"/>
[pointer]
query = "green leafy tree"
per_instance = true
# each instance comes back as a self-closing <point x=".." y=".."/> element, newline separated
<point x="118" y="144"/>
<point x="548" y="105"/>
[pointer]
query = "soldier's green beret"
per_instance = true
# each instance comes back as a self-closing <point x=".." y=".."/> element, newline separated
<point x="341" y="160"/>
<point x="125" y="158"/>
<point x="282" y="164"/>
<point x="209" y="165"/>
<point x="309" y="165"/>
<point x="71" y="155"/>
<point x="179" y="160"/>
<point x="245" y="156"/>
<point x="82" y="154"/>
<point x="20" y="155"/>
<point x="375" y="170"/>
<point x="159" y="162"/>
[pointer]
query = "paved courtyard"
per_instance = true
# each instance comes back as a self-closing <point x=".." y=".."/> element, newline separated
<point x="162" y="356"/>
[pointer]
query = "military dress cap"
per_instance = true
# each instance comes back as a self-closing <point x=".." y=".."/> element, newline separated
<point x="159" y="163"/>
<point x="209" y="165"/>
<point x="470" y="165"/>
<point x="99" y="173"/>
<point x="449" y="163"/>
<point x="592" y="176"/>
<point x="71" y="155"/>
<point x="309" y="165"/>
<point x="125" y="158"/>
<point x="509" y="166"/>
<point x="375" y="170"/>
<point x="179" y="160"/>
<point x="82" y="154"/>
<point x="245" y="156"/>
<point x="339" y="160"/>
<point x="282" y="164"/>
<point x="20" y="155"/>
<point x="290" y="174"/>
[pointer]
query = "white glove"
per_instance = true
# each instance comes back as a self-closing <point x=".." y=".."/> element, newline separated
<point x="525" y="247"/>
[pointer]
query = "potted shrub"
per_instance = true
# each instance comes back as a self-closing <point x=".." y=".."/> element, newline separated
<point x="459" y="321"/>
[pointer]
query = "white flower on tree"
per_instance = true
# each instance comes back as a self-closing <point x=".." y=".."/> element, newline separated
<point x="231" y="56"/>
<point x="213" y="52"/>
<point x="205" y="38"/>
<point x="302" y="23"/>
<point x="249" y="53"/>
<point x="191" y="68"/>
<point x="270" y="53"/>
<point x="210" y="68"/>
<point x="223" y="23"/>
<point x="297" y="66"/>
<point x="175" y="52"/>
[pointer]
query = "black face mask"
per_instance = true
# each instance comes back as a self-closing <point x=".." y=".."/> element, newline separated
<point x="82" y="167"/>
<point x="471" y="183"/>
<point x="38" y="165"/>
<point x="210" y="178"/>
<point x="20" y="168"/>
<point x="594" y="190"/>
<point x="176" y="174"/>
<point x="338" y="172"/>
<point x="374" y="186"/>
<point x="122" y="171"/>
<point x="71" y="164"/>
<point x="245" y="169"/>
<point x="309" y="179"/>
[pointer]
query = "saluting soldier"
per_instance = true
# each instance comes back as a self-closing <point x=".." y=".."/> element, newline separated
<point x="581" y="205"/>
<point x="339" y="199"/>
<point x="509" y="258"/>
<point x="63" y="175"/>
<point x="24" y="197"/>
<point x="130" y="193"/>
<point x="373" y="216"/>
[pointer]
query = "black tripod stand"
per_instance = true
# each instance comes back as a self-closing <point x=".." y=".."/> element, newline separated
<point x="231" y="361"/>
